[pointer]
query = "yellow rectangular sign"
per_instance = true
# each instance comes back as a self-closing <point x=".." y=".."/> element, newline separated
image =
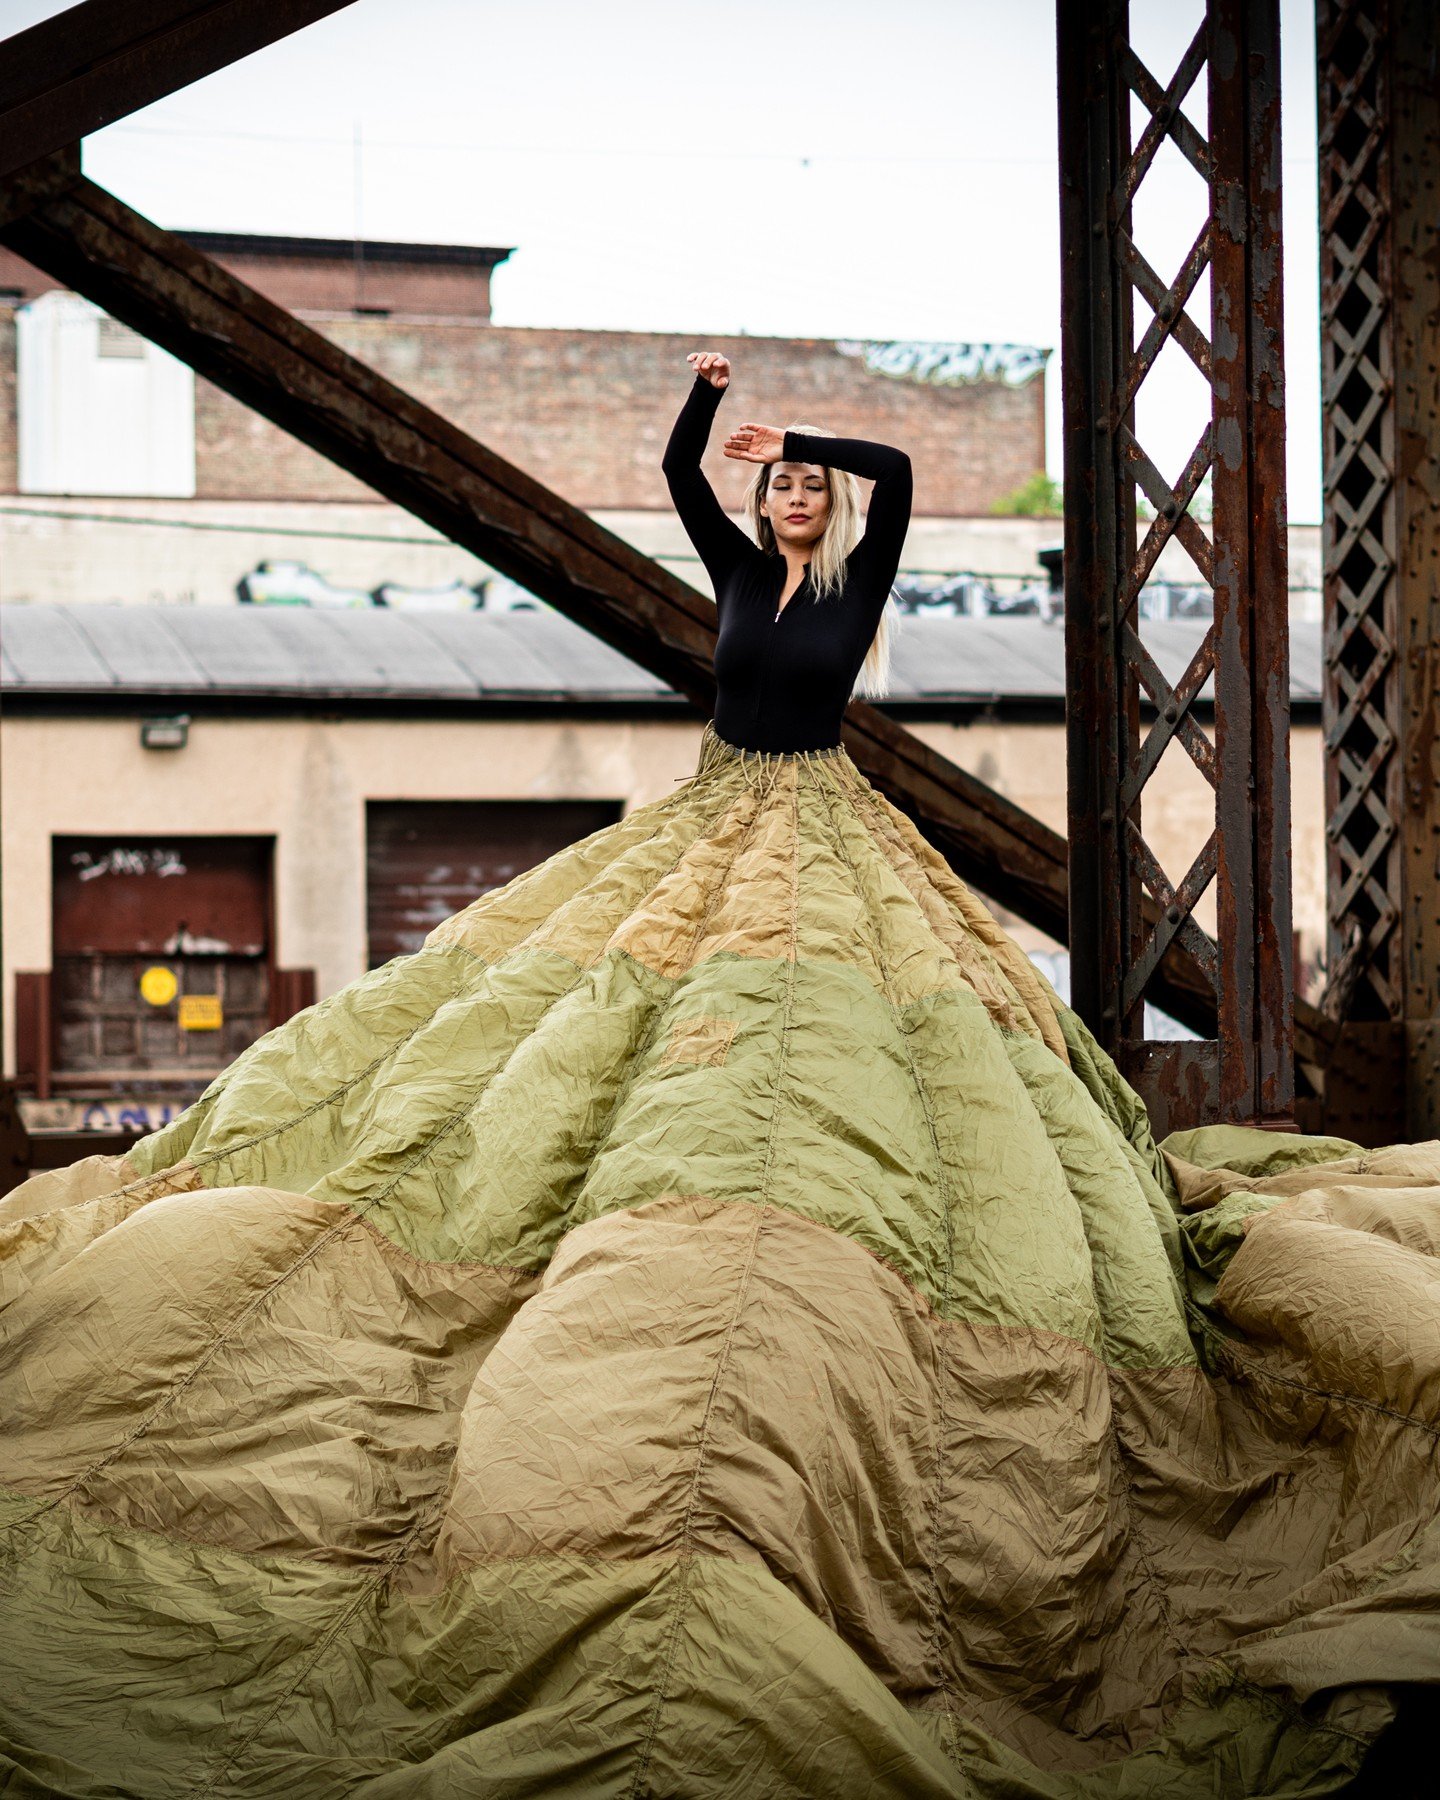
<point x="201" y="1012"/>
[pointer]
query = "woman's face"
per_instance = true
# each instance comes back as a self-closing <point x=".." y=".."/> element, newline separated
<point x="797" y="504"/>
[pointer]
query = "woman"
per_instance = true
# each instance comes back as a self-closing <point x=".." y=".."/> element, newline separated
<point x="712" y="1323"/>
<point x="786" y="691"/>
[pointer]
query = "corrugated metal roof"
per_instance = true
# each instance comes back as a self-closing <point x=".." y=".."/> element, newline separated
<point x="260" y="652"/>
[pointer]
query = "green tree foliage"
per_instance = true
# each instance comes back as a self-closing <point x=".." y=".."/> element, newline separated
<point x="1038" y="498"/>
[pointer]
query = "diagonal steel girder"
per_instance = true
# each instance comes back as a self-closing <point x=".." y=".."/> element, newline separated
<point x="96" y="62"/>
<point x="337" y="405"/>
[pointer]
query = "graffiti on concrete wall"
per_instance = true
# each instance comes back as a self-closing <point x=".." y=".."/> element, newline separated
<point x="99" y="1115"/>
<point x="948" y="365"/>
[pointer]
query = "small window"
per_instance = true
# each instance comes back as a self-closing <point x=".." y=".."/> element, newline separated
<point x="115" y="339"/>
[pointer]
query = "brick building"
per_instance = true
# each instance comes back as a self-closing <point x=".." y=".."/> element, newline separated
<point x="586" y="412"/>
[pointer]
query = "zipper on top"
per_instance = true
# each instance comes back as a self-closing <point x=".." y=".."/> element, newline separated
<point x="794" y="597"/>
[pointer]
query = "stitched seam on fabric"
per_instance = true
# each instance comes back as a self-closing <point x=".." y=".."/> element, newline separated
<point x="1137" y="1537"/>
<point x="454" y="1120"/>
<point x="1142" y="1551"/>
<point x="652" y="1032"/>
<point x="687" y="1554"/>
<point x="521" y="883"/>
<point x="882" y="832"/>
<point x="206" y="1784"/>
<point x="1267" y="1697"/>
<point x="210" y="1157"/>
<point x="499" y="962"/>
<point x="942" y="1417"/>
<point x="1254" y="1370"/>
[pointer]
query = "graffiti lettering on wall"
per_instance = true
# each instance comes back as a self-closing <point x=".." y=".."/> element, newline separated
<point x="949" y="365"/>
<point x="99" y="1115"/>
<point x="124" y="861"/>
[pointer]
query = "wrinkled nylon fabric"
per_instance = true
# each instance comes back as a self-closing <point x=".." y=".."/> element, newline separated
<point x="711" y="1323"/>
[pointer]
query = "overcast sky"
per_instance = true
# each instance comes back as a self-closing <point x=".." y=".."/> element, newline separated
<point x="843" y="170"/>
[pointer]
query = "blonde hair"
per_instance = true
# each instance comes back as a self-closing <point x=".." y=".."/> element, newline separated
<point x="828" y="556"/>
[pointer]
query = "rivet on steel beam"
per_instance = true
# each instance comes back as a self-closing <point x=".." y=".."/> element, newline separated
<point x="1172" y="913"/>
<point x="1107" y="817"/>
<point x="1169" y="510"/>
<point x="1108" y="1015"/>
<point x="1172" y="713"/>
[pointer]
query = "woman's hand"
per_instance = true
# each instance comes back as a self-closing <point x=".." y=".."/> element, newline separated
<point x="755" y="443"/>
<point x="712" y="365"/>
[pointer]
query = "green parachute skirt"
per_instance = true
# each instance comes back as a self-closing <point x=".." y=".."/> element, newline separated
<point x="712" y="1323"/>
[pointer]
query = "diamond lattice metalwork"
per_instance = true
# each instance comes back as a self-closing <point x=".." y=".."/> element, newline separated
<point x="1127" y="910"/>
<point x="1362" y="690"/>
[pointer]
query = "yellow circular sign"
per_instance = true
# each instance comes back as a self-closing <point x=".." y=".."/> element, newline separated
<point x="159" y="986"/>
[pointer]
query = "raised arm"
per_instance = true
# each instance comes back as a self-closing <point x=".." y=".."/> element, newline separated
<point x="719" y="542"/>
<point x="887" y="518"/>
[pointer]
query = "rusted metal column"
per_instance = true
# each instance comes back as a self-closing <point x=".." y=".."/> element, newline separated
<point x="1252" y="625"/>
<point x="1378" y="78"/>
<point x="1126" y="910"/>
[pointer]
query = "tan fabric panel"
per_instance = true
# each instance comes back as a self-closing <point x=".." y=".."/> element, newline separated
<point x="302" y="1398"/>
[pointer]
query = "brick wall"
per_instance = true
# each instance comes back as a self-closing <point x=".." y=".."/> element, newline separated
<point x="588" y="413"/>
<point x="585" y="412"/>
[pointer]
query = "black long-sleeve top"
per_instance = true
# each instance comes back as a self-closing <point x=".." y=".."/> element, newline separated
<point x="783" y="683"/>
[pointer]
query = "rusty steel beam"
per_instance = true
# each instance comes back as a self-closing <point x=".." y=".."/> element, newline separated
<point x="305" y="384"/>
<point x="1252" y="622"/>
<point x="1379" y="116"/>
<point x="1128" y="915"/>
<point x="94" y="63"/>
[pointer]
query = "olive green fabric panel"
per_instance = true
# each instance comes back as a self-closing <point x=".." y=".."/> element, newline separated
<point x="487" y="1122"/>
<point x="1244" y="1150"/>
<point x="1018" y="1253"/>
<point x="783" y="1120"/>
<point x="1137" y="1290"/>
<point x="901" y="842"/>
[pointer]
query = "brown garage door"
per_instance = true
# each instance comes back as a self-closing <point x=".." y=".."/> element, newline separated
<point x="427" y="859"/>
<point x="162" y="955"/>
